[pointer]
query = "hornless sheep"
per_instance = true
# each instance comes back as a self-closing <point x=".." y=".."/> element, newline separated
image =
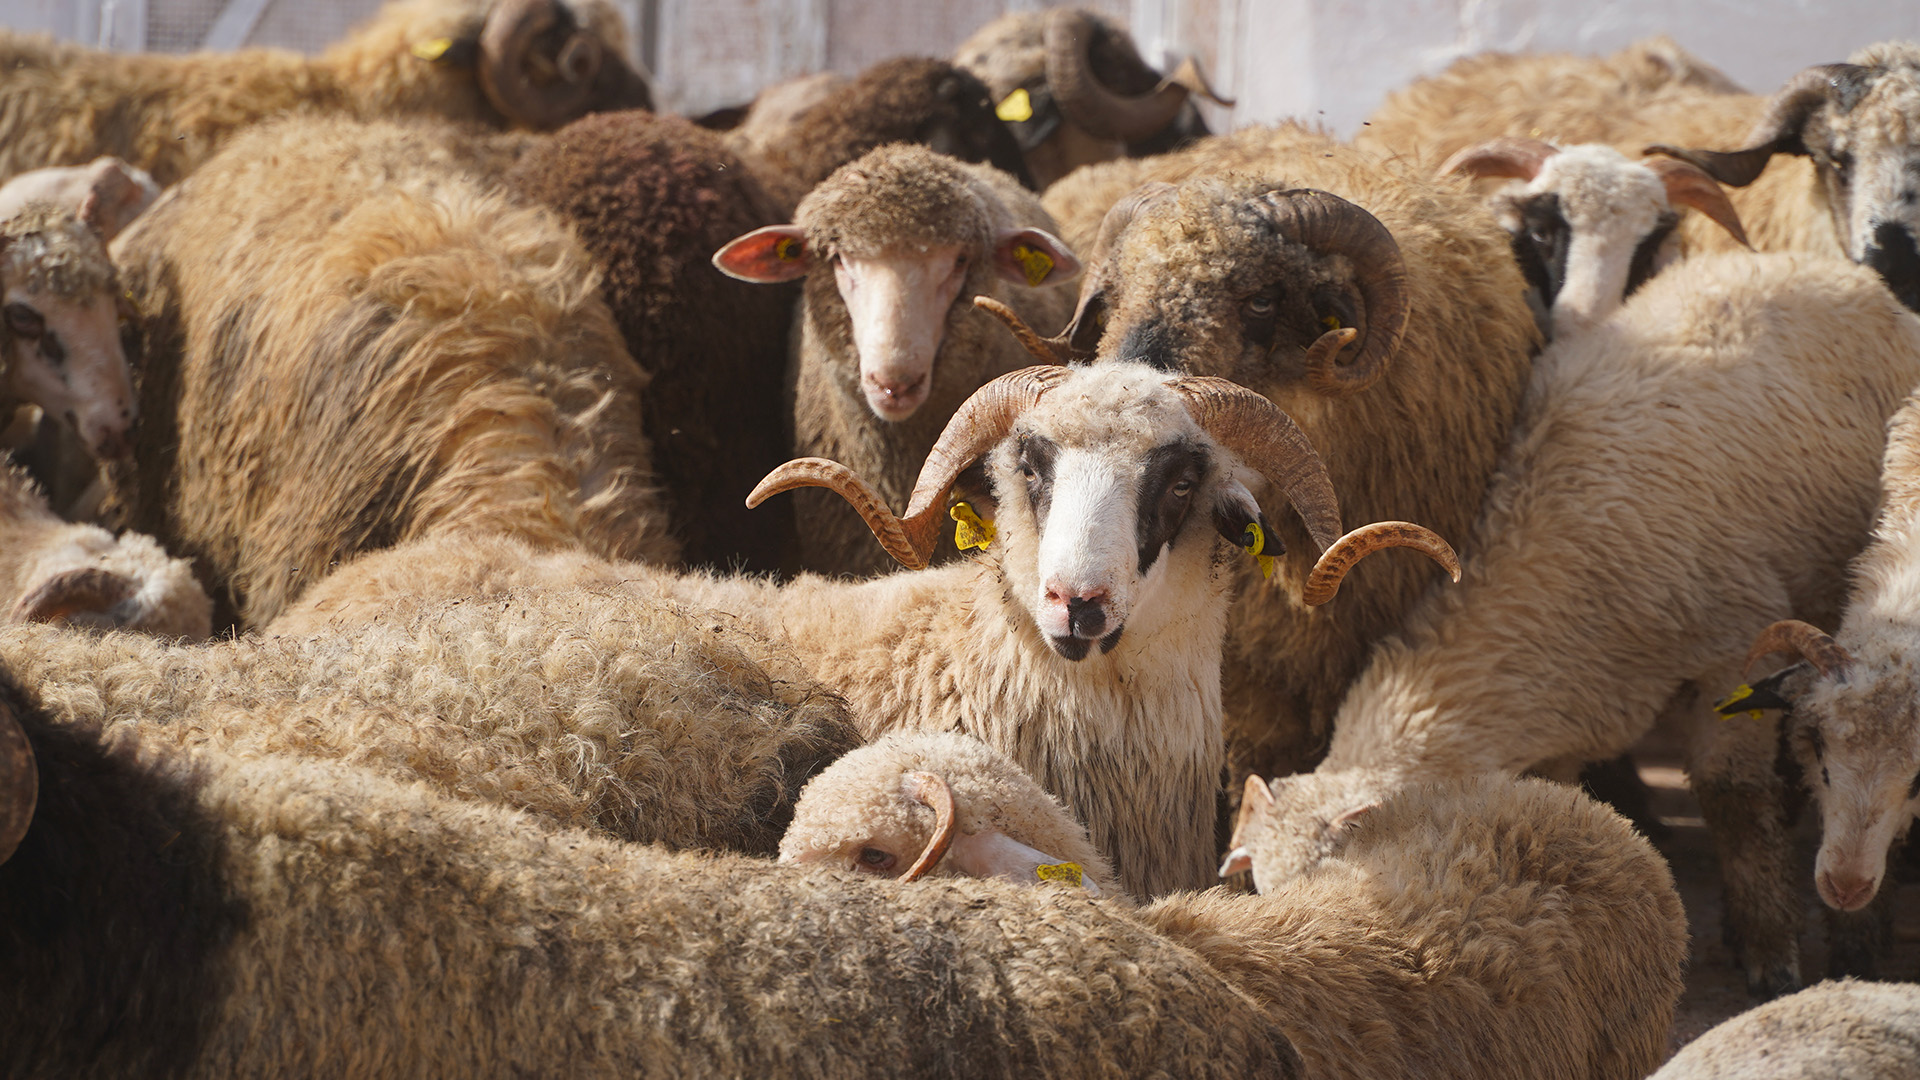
<point x="1142" y="468"/>
<point x="107" y="193"/>
<point x="1390" y="321"/>
<point x="1841" y="1030"/>
<point x="893" y="247"/>
<point x="530" y="63"/>
<point x="81" y="574"/>
<point x="354" y="345"/>
<point x="620" y="713"/>
<point x="1075" y="90"/>
<point x="201" y="915"/>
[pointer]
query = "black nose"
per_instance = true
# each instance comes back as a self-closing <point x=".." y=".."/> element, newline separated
<point x="1892" y="253"/>
<point x="1086" y="617"/>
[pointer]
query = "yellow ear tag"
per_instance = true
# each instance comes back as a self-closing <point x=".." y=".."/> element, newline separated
<point x="786" y="249"/>
<point x="1036" y="264"/>
<point x="432" y="50"/>
<point x="1259" y="545"/>
<point x="969" y="531"/>
<point x="1729" y="706"/>
<point x="1065" y="873"/>
<point x="1331" y="322"/>
<point x="1015" y="107"/>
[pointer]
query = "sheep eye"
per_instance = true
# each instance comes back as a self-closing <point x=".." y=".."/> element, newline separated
<point x="1260" y="306"/>
<point x="876" y="860"/>
<point x="1183" y="489"/>
<point x="25" y="321"/>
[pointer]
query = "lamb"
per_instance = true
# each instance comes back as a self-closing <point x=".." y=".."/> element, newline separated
<point x="323" y="382"/>
<point x="199" y="914"/>
<point x="1142" y="468"/>
<point x="81" y="574"/>
<point x="1834" y="1031"/>
<point x="1382" y="310"/>
<point x="892" y="248"/>
<point x="482" y="63"/>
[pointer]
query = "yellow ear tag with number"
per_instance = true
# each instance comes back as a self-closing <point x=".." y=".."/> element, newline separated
<point x="1729" y="706"/>
<point x="969" y="531"/>
<point x="1015" y="107"/>
<point x="1065" y="873"/>
<point x="1259" y="545"/>
<point x="1036" y="264"/>
<point x="432" y="50"/>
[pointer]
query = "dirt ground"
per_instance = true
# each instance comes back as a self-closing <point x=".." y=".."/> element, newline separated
<point x="1715" y="989"/>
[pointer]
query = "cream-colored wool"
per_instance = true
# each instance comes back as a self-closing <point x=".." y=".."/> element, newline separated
<point x="1420" y="445"/>
<point x="280" y="916"/>
<point x="1841" y="1030"/>
<point x="167" y="114"/>
<point x="162" y="598"/>
<point x="623" y="713"/>
<point x="1480" y="928"/>
<point x="354" y="344"/>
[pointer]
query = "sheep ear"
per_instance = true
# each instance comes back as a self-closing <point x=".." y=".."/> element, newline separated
<point x="1034" y="257"/>
<point x="1352" y="818"/>
<point x="116" y="194"/>
<point x="990" y="853"/>
<point x="1237" y="517"/>
<point x="74" y="593"/>
<point x="766" y="256"/>
<point x="1771" y="692"/>
<point x="1255" y="798"/>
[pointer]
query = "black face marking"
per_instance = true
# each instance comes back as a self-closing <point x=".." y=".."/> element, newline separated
<point x="1259" y="316"/>
<point x="1152" y="342"/>
<point x="1086" y="618"/>
<point x="1107" y="643"/>
<point x="51" y="348"/>
<point x="1167" y="484"/>
<point x="1072" y="648"/>
<point x="1540" y="245"/>
<point x="1817" y="742"/>
<point x="24" y="321"/>
<point x="1641" y="268"/>
<point x="1895" y="257"/>
<point x="1035" y="462"/>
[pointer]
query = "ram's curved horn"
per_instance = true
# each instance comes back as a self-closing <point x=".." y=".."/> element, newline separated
<point x="1267" y="440"/>
<point x="1509" y="156"/>
<point x="507" y="53"/>
<point x="19" y="781"/>
<point x="1778" y="132"/>
<point x="1802" y="641"/>
<point x="1689" y="185"/>
<point x="1334" y="563"/>
<point x="1327" y="223"/>
<point x="1054" y="350"/>
<point x="933" y="791"/>
<point x="1089" y="103"/>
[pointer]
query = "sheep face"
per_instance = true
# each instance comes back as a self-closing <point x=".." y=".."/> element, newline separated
<point x="62" y="327"/>
<point x="1290" y="825"/>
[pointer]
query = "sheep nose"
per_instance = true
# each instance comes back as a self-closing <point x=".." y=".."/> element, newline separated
<point x="1845" y="891"/>
<point x="1086" y="610"/>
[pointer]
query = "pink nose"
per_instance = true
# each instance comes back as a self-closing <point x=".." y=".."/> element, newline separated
<point x="1845" y="891"/>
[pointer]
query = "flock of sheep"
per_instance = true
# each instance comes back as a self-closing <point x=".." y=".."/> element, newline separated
<point x="444" y="561"/>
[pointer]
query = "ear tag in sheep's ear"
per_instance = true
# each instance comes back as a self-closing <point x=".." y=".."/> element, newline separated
<point x="452" y="52"/>
<point x="1331" y="322"/>
<point x="1015" y="107"/>
<point x="786" y="249"/>
<point x="1065" y="873"/>
<point x="432" y="50"/>
<point x="969" y="531"/>
<point x="1729" y="707"/>
<point x="1034" y="263"/>
<point x="1256" y="543"/>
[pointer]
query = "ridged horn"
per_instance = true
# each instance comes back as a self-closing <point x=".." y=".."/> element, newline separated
<point x="73" y="592"/>
<point x="1267" y="440"/>
<point x="508" y="62"/>
<point x="930" y="789"/>
<point x="1054" y="350"/>
<point x="1085" y="100"/>
<point x="1509" y="156"/>
<point x="1802" y="641"/>
<point x="1324" y="581"/>
<point x="980" y="422"/>
<point x="1327" y="223"/>
<point x="19" y="781"/>
<point x="1778" y="132"/>
<point x="1689" y="185"/>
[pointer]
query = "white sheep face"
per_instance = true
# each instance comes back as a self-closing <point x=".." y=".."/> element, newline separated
<point x="64" y="355"/>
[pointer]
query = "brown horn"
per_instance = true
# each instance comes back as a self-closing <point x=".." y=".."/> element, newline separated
<point x="1088" y="103"/>
<point x="1509" y="156"/>
<point x="1688" y="185"/>
<point x="1328" y="223"/>
<point x="1044" y="349"/>
<point x="509" y="60"/>
<point x="1778" y="132"/>
<point x="1189" y="75"/>
<point x="1266" y="439"/>
<point x="73" y="592"/>
<point x="1332" y="568"/>
<point x="1804" y="641"/>
<point x="19" y="781"/>
<point x="980" y="422"/>
<point x="931" y="790"/>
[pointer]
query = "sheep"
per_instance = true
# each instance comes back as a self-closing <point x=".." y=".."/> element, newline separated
<point x="1411" y="418"/>
<point x="1076" y="91"/>
<point x="1842" y="1030"/>
<point x="201" y="914"/>
<point x="107" y="193"/>
<point x="892" y="247"/>
<point x="352" y="344"/>
<point x="1143" y="468"/>
<point x="81" y="574"/>
<point x="530" y="63"/>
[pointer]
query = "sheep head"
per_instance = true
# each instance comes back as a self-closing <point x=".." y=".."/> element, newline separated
<point x="1288" y="826"/>
<point x="542" y="66"/>
<point x="1855" y="728"/>
<point x="1859" y="122"/>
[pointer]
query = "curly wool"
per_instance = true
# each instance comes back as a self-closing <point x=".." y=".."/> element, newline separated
<point x="1856" y="1030"/>
<point x="47" y="248"/>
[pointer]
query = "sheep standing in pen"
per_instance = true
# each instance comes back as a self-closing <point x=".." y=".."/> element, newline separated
<point x="1084" y="643"/>
<point x="165" y="912"/>
<point x="1842" y="1030"/>
<point x="892" y="249"/>
<point x="352" y="345"/>
<point x="529" y="63"/>
<point x="1382" y="311"/>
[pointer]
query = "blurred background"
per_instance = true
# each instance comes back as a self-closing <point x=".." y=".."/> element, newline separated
<point x="1326" y="60"/>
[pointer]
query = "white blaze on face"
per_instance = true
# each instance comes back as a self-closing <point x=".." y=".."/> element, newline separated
<point x="898" y="304"/>
<point x="65" y="357"/>
<point x="1087" y="555"/>
<point x="1600" y="253"/>
<point x="1864" y="806"/>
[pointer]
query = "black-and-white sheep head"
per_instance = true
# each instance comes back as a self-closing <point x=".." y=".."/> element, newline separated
<point x="1859" y="122"/>
<point x="893" y="246"/>
<point x="1855" y="728"/>
<point x="1237" y="278"/>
